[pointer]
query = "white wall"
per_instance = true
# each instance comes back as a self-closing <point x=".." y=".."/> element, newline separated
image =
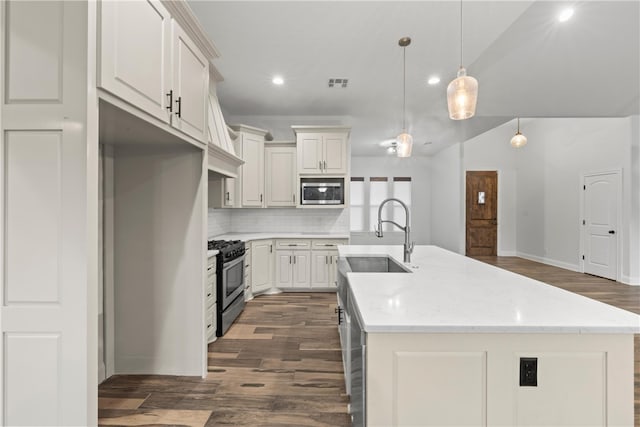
<point x="447" y="199"/>
<point x="418" y="169"/>
<point x="550" y="178"/>
<point x="159" y="260"/>
<point x="634" y="210"/>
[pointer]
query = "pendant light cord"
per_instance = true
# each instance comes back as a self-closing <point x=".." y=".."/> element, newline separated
<point x="461" y="44"/>
<point x="518" y="124"/>
<point x="404" y="87"/>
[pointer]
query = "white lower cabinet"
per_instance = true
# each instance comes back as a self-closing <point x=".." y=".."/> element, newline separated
<point x="262" y="258"/>
<point x="210" y="300"/>
<point x="293" y="269"/>
<point x="324" y="269"/>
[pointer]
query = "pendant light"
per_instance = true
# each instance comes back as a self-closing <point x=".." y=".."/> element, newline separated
<point x="462" y="92"/>
<point x="518" y="140"/>
<point x="404" y="140"/>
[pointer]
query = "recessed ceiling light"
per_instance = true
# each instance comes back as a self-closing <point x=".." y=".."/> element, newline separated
<point x="277" y="80"/>
<point x="433" y="80"/>
<point x="565" y="15"/>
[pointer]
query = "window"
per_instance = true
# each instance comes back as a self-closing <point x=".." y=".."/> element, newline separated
<point x="401" y="190"/>
<point x="357" y="204"/>
<point x="367" y="194"/>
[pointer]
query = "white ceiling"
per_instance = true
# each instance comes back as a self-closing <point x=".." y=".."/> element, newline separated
<point x="527" y="63"/>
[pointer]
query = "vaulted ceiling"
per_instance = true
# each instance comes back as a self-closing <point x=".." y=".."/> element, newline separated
<point x="527" y="63"/>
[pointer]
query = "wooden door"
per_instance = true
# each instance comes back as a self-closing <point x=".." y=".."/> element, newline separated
<point x="601" y="200"/>
<point x="482" y="213"/>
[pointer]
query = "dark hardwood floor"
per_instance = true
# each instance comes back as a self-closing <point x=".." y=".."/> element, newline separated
<point x="280" y="363"/>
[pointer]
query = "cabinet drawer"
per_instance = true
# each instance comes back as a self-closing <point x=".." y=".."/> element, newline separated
<point x="210" y="323"/>
<point x="210" y="295"/>
<point x="326" y="244"/>
<point x="293" y="244"/>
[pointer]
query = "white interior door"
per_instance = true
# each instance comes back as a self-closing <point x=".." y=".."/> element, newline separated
<point x="48" y="212"/>
<point x="601" y="204"/>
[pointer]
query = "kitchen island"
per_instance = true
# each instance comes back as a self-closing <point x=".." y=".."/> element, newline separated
<point x="459" y="342"/>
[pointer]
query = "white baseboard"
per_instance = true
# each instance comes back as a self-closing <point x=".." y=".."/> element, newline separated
<point x="631" y="281"/>
<point x="507" y="253"/>
<point x="548" y="261"/>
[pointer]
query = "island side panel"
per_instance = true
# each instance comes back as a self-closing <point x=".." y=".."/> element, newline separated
<point x="473" y="379"/>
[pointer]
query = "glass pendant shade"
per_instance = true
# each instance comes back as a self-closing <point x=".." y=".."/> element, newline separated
<point x="462" y="95"/>
<point x="405" y="143"/>
<point x="518" y="140"/>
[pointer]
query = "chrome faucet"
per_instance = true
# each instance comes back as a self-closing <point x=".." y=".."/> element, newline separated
<point x="408" y="245"/>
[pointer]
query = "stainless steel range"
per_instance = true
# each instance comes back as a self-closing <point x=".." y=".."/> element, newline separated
<point x="229" y="282"/>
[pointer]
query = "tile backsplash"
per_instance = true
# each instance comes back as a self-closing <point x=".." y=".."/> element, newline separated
<point x="221" y="221"/>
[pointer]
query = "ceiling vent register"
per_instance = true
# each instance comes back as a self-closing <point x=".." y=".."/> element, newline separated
<point x="338" y="83"/>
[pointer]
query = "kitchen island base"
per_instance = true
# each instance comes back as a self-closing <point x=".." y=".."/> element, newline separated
<point x="474" y="379"/>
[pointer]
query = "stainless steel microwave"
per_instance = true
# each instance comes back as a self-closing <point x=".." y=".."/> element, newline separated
<point x="322" y="191"/>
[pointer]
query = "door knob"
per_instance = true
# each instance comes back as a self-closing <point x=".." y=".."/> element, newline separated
<point x="612" y="232"/>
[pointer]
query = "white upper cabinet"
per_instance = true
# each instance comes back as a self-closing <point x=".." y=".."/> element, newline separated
<point x="252" y="170"/>
<point x="281" y="179"/>
<point x="322" y="150"/>
<point x="190" y="85"/>
<point x="147" y="60"/>
<point x="135" y="65"/>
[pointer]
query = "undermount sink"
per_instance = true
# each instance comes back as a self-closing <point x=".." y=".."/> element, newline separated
<point x="375" y="264"/>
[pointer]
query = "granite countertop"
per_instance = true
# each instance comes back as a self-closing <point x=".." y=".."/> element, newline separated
<point x="449" y="293"/>
<point x="213" y="252"/>
<point x="277" y="235"/>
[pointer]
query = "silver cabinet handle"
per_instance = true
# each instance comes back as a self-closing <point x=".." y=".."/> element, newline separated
<point x="324" y="162"/>
<point x="325" y="260"/>
<point x="289" y="259"/>
<point x="261" y="198"/>
<point x="320" y="164"/>
<point x="270" y="248"/>
<point x="294" y="259"/>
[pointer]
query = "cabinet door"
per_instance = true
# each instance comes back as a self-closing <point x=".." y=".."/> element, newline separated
<point x="309" y="153"/>
<point x="252" y="170"/>
<point x="301" y="269"/>
<point x="190" y="85"/>
<point x="281" y="179"/>
<point x="229" y="193"/>
<point x="261" y="265"/>
<point x="284" y="270"/>
<point x="333" y="270"/>
<point x="134" y="54"/>
<point x="320" y="269"/>
<point x="334" y="153"/>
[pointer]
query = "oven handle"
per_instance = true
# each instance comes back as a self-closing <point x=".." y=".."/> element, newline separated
<point x="233" y="263"/>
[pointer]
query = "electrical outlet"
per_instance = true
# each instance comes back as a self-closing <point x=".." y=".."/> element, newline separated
<point x="528" y="372"/>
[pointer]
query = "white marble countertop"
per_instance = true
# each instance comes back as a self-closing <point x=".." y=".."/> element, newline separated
<point x="213" y="252"/>
<point x="276" y="235"/>
<point x="450" y="293"/>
